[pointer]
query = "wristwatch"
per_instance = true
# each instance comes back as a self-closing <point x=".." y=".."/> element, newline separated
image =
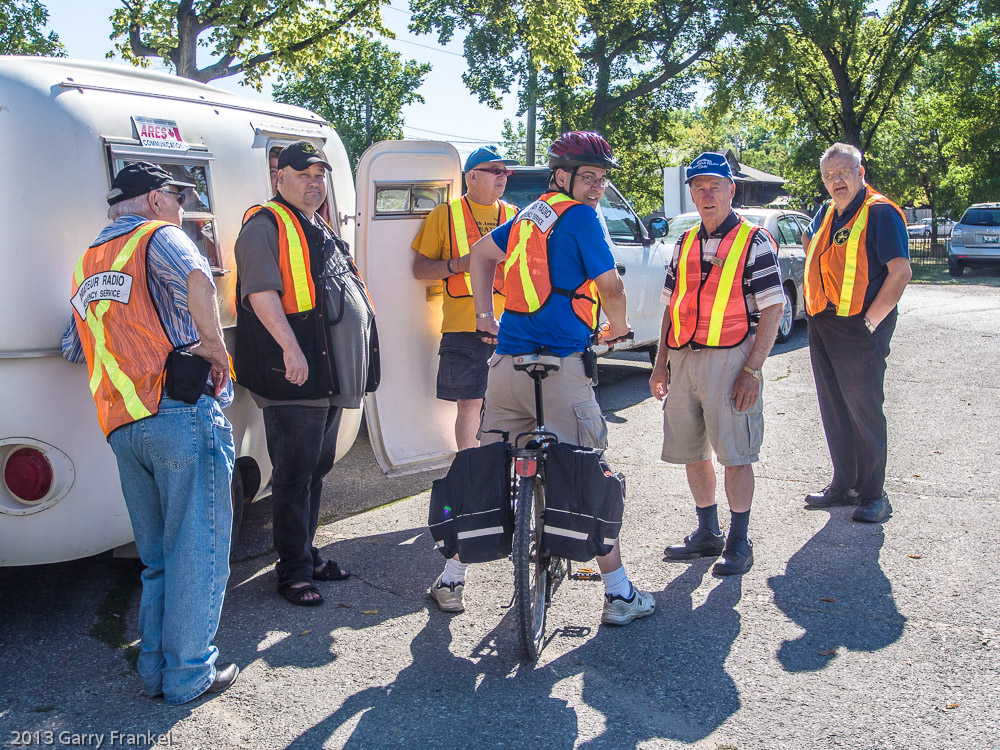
<point x="868" y="325"/>
<point x="484" y="315"/>
<point x="755" y="374"/>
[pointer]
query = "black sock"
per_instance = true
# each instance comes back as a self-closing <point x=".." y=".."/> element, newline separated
<point x="708" y="518"/>
<point x="738" y="525"/>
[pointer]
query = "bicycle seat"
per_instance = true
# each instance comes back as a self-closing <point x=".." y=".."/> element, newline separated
<point x="537" y="363"/>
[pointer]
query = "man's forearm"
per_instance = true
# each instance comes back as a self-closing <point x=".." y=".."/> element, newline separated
<point x="888" y="296"/>
<point x="267" y="307"/>
<point x="484" y="255"/>
<point x="767" y="330"/>
<point x="427" y="269"/>
<point x="204" y="308"/>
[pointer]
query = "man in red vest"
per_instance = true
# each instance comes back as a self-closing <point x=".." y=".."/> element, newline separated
<point x="442" y="252"/>
<point x="857" y="266"/>
<point x="724" y="300"/>
<point x="140" y="291"/>
<point x="306" y="349"/>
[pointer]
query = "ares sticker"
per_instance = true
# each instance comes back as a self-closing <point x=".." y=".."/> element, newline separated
<point x="109" y="285"/>
<point x="541" y="214"/>
<point x="841" y="236"/>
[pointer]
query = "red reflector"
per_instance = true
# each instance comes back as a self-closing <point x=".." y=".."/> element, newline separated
<point x="525" y="467"/>
<point x="28" y="474"/>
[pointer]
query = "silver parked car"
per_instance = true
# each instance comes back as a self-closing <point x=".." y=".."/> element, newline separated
<point x="922" y="228"/>
<point x="975" y="239"/>
<point x="786" y="227"/>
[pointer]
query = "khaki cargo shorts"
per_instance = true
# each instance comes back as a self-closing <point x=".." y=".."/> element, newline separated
<point x="571" y="410"/>
<point x="698" y="413"/>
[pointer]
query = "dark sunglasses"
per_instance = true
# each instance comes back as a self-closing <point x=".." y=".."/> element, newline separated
<point x="496" y="171"/>
<point x="181" y="197"/>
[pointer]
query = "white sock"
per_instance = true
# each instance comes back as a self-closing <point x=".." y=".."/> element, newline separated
<point x="454" y="572"/>
<point x="616" y="583"/>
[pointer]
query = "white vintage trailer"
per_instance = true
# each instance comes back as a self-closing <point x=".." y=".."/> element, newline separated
<point x="68" y="127"/>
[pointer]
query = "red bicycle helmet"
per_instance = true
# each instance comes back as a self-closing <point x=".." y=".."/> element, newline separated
<point x="580" y="148"/>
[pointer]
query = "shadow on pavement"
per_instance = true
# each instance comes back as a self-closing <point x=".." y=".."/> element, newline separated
<point x="834" y="588"/>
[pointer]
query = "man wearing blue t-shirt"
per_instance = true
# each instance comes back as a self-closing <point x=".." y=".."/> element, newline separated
<point x="857" y="266"/>
<point x="557" y="260"/>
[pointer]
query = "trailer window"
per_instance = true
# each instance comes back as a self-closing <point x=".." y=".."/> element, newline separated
<point x="198" y="222"/>
<point x="406" y="199"/>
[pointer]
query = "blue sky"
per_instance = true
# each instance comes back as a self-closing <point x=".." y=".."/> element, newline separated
<point x="450" y="113"/>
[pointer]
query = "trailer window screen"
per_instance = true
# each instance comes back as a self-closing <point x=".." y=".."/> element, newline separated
<point x="408" y="199"/>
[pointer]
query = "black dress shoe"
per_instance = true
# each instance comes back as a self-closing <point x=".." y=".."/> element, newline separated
<point x="737" y="558"/>
<point x="702" y="543"/>
<point x="829" y="497"/>
<point x="873" y="511"/>
<point x="225" y="676"/>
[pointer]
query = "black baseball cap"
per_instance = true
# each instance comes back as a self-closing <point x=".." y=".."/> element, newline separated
<point x="140" y="178"/>
<point x="300" y="156"/>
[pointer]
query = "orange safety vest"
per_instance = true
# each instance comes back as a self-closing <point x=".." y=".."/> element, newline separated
<point x="122" y="336"/>
<point x="298" y="289"/>
<point x="713" y="313"/>
<point x="527" y="276"/>
<point x="464" y="234"/>
<point x="837" y="272"/>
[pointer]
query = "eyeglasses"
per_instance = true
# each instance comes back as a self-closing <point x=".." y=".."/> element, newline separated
<point x="590" y="179"/>
<point x="496" y="171"/>
<point x="181" y="197"/>
<point x="840" y="174"/>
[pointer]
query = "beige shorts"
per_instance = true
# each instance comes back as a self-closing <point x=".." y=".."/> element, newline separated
<point x="571" y="410"/>
<point x="698" y="413"/>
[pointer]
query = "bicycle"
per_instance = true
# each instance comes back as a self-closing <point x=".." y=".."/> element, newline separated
<point x="536" y="576"/>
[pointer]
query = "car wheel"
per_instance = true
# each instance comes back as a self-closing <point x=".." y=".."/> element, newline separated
<point x="787" y="323"/>
<point x="955" y="268"/>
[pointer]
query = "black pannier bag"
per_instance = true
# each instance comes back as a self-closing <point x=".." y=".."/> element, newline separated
<point x="471" y="513"/>
<point x="584" y="501"/>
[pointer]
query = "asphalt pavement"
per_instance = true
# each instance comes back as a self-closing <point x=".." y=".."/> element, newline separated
<point x="842" y="635"/>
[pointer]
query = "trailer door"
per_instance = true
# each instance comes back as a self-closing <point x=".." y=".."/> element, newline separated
<point x="398" y="183"/>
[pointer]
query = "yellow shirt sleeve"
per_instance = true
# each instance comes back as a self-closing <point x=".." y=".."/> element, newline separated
<point x="433" y="240"/>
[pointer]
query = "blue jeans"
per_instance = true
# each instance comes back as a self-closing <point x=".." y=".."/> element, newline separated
<point x="175" y="470"/>
<point x="302" y="443"/>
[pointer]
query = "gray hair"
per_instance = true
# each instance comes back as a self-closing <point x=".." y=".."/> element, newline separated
<point x="136" y="205"/>
<point x="842" y="149"/>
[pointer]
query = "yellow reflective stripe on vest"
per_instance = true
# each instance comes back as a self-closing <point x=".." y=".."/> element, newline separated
<point x="461" y="231"/>
<point x="296" y="257"/>
<point x="103" y="358"/>
<point x="682" y="277"/>
<point x="726" y="283"/>
<point x="509" y="212"/>
<point x="851" y="258"/>
<point x="519" y="255"/>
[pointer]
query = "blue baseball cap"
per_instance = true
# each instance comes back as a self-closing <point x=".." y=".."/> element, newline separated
<point x="711" y="164"/>
<point x="486" y="154"/>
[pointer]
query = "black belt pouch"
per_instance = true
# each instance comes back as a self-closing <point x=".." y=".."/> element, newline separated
<point x="186" y="375"/>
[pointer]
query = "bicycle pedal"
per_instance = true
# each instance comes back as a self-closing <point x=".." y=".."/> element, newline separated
<point x="585" y="574"/>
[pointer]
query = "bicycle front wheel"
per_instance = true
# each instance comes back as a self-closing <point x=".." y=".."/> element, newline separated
<point x="530" y="571"/>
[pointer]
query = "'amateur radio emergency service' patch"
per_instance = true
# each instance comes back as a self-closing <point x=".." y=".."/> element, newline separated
<point x="109" y="285"/>
<point x="541" y="214"/>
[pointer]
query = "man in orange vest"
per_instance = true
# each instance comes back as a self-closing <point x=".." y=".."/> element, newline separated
<point x="724" y="300"/>
<point x="141" y="291"/>
<point x="306" y="349"/>
<point x="442" y="252"/>
<point x="857" y="266"/>
<point x="556" y="258"/>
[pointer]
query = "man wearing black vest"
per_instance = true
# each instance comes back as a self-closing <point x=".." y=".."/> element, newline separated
<point x="306" y="348"/>
<point x="857" y="266"/>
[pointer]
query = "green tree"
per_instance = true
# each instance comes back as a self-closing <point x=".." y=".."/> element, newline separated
<point x="244" y="37"/>
<point x="361" y="90"/>
<point x="21" y="31"/>
<point x="514" y="140"/>
<point x="835" y="63"/>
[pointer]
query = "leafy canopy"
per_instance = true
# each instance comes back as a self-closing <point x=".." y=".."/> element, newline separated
<point x="344" y="88"/>
<point x="243" y="37"/>
<point x="21" y="31"/>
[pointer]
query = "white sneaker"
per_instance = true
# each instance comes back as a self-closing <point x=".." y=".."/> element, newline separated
<point x="621" y="611"/>
<point x="449" y="596"/>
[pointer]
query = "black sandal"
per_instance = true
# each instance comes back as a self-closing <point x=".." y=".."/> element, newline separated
<point x="295" y="594"/>
<point x="330" y="571"/>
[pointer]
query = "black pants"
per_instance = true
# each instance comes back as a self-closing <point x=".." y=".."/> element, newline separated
<point x="848" y="363"/>
<point x="302" y="444"/>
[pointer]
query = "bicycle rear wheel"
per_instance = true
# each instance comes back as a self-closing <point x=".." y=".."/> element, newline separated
<point x="530" y="572"/>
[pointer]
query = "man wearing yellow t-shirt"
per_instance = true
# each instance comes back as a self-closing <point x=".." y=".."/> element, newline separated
<point x="442" y="252"/>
